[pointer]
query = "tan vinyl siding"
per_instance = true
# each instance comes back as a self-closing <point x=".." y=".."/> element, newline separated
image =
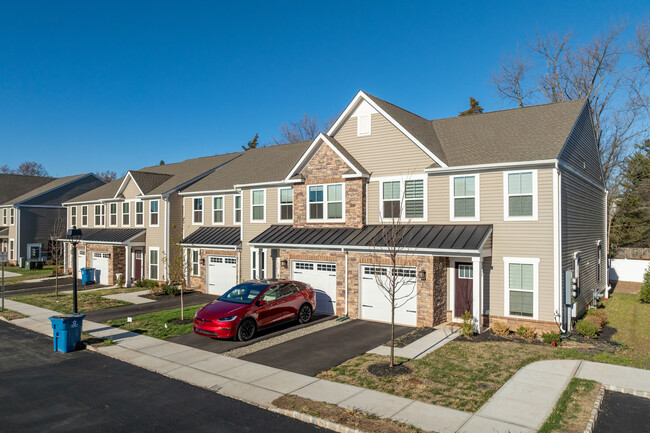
<point x="130" y="189"/>
<point x="386" y="151"/>
<point x="583" y="225"/>
<point x="250" y="230"/>
<point x="580" y="151"/>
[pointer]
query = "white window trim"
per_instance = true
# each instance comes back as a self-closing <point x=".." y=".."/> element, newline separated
<point x="157" y="249"/>
<point x="280" y="205"/>
<point x="234" y="209"/>
<point x="477" y="198"/>
<point x="4" y="217"/>
<point x="506" y="197"/>
<point x="506" y="285"/>
<point x="256" y="269"/>
<point x="128" y="215"/>
<point x="198" y="274"/>
<point x="12" y="247"/>
<point x="202" y="211"/>
<point x="223" y="210"/>
<point x="12" y="216"/>
<point x="102" y="215"/>
<point x="75" y="216"/>
<point x="151" y="213"/>
<point x="135" y="214"/>
<point x="367" y="116"/>
<point x="325" y="203"/>
<point x="82" y="216"/>
<point x="402" y="190"/>
<point x="117" y="215"/>
<point x="263" y="220"/>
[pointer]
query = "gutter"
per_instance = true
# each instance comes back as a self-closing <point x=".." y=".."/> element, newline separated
<point x="495" y="166"/>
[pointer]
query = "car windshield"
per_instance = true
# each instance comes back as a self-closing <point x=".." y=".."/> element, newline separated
<point x="243" y="293"/>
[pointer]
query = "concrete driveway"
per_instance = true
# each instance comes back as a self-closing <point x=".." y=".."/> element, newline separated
<point x="217" y="345"/>
<point x="325" y="349"/>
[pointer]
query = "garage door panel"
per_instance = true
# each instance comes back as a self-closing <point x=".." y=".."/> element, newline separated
<point x="81" y="261"/>
<point x="375" y="301"/>
<point x="222" y="274"/>
<point x="100" y="263"/>
<point x="322" y="277"/>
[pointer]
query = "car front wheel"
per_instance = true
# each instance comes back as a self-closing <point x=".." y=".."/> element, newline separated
<point x="304" y="314"/>
<point x="246" y="330"/>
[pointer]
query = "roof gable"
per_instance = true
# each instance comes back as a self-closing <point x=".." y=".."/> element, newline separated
<point x="15" y="185"/>
<point x="54" y="184"/>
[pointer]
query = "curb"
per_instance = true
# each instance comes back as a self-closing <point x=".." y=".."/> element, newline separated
<point x="595" y="410"/>
<point x="634" y="392"/>
<point x="315" y="420"/>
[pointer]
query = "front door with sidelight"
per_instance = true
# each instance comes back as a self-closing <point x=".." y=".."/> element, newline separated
<point x="464" y="282"/>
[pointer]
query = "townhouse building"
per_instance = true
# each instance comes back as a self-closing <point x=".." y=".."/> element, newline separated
<point x="29" y="208"/>
<point x="490" y="212"/>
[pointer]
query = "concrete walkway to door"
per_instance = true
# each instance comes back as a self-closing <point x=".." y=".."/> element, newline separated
<point x="442" y="335"/>
<point x="521" y="405"/>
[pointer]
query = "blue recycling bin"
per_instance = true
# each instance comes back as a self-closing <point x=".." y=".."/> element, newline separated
<point x="66" y="331"/>
<point x="87" y="276"/>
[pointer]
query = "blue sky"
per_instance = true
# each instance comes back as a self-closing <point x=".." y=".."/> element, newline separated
<point x="91" y="86"/>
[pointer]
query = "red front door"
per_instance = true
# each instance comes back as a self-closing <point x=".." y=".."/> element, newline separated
<point x="137" y="265"/>
<point x="463" y="288"/>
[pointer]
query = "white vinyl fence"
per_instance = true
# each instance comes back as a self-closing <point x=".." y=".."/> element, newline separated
<point x="628" y="269"/>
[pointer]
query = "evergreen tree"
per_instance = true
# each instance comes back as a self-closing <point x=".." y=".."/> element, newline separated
<point x="252" y="144"/>
<point x="474" y="108"/>
<point x="161" y="162"/>
<point x="631" y="224"/>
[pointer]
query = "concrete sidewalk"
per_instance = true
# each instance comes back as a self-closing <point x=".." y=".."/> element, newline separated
<point x="521" y="405"/>
<point x="423" y="346"/>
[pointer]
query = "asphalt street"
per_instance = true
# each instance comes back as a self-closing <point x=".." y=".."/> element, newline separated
<point x="623" y="413"/>
<point x="42" y="390"/>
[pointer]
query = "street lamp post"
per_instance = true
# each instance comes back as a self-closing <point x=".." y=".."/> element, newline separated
<point x="74" y="235"/>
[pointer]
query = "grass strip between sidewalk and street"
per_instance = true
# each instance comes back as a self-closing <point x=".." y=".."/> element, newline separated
<point x="26" y="274"/>
<point x="11" y="315"/>
<point x="87" y="300"/>
<point x="159" y="324"/>
<point x="347" y="417"/>
<point x="572" y="411"/>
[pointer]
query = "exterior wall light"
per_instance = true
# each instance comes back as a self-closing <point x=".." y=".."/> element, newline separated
<point x="422" y="275"/>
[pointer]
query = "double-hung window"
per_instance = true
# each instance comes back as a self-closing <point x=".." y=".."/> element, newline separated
<point x="12" y="216"/>
<point x="258" y="202"/>
<point x="11" y="249"/>
<point x="195" y="263"/>
<point x="217" y="210"/>
<point x="197" y="210"/>
<point x="237" y="209"/>
<point x="464" y="194"/>
<point x="139" y="213"/>
<point x="112" y="214"/>
<point x="414" y="198"/>
<point x="391" y="199"/>
<point x="4" y="216"/>
<point x="73" y="216"/>
<point x="100" y="217"/>
<point x="84" y="216"/>
<point x="403" y="199"/>
<point x="520" y="195"/>
<point x="286" y="204"/>
<point x="326" y="202"/>
<point x="521" y="286"/>
<point x="153" y="213"/>
<point x="153" y="263"/>
<point x="125" y="214"/>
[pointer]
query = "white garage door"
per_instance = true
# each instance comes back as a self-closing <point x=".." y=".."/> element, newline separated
<point x="81" y="261"/>
<point x="100" y="263"/>
<point x="222" y="274"/>
<point x="322" y="277"/>
<point x="376" y="306"/>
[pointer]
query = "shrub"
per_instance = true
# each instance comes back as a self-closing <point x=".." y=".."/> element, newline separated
<point x="526" y="333"/>
<point x="149" y="284"/>
<point x="587" y="328"/>
<point x="550" y="337"/>
<point x="644" y="295"/>
<point x="467" y="328"/>
<point x="171" y="290"/>
<point x="500" y="328"/>
<point x="598" y="318"/>
<point x="120" y="281"/>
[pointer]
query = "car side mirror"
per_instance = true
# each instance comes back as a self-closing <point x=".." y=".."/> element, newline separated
<point x="260" y="302"/>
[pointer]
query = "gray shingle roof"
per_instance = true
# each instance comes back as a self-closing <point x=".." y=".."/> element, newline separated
<point x="440" y="237"/>
<point x="227" y="236"/>
<point x="105" y="191"/>
<point x="149" y="181"/>
<point x="114" y="236"/>
<point x="15" y="185"/>
<point x="264" y="164"/>
<point x="53" y="184"/>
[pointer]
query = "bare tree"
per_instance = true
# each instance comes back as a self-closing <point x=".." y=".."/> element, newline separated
<point x="177" y="265"/>
<point x="57" y="232"/>
<point x="392" y="258"/>
<point x="511" y="78"/>
<point x="31" y="168"/>
<point x="5" y="169"/>
<point x="107" y="176"/>
<point x="305" y="128"/>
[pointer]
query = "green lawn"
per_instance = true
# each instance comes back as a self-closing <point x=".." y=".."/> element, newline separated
<point x="153" y="324"/>
<point x="573" y="409"/>
<point x="11" y="315"/>
<point x="464" y="375"/>
<point x="26" y="274"/>
<point x="87" y="301"/>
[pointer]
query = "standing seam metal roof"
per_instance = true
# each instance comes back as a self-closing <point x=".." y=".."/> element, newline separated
<point x="214" y="236"/>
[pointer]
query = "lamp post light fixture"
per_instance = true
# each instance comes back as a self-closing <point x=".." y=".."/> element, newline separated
<point x="74" y="236"/>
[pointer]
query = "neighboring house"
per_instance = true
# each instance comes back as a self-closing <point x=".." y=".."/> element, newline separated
<point x="127" y="225"/>
<point x="26" y="218"/>
<point x="496" y="206"/>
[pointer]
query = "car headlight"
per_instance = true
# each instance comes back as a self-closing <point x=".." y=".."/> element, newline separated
<point x="227" y="319"/>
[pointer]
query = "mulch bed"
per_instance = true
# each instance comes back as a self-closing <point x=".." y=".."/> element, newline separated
<point x="603" y="343"/>
<point x="412" y="336"/>
<point x="384" y="369"/>
<point x="491" y="336"/>
<point x="162" y="295"/>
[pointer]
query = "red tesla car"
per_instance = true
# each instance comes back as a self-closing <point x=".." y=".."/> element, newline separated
<point x="252" y="305"/>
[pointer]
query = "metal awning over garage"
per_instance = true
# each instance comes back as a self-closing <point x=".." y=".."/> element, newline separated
<point x="220" y="237"/>
<point x="112" y="236"/>
<point x="411" y="237"/>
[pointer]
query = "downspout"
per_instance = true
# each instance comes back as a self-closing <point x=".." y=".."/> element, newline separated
<point x="608" y="287"/>
<point x="560" y="315"/>
<point x="239" y="266"/>
<point x="165" y="198"/>
<point x="346" y="283"/>
<point x="17" y="222"/>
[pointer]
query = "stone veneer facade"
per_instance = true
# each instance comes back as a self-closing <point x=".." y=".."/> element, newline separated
<point x="116" y="263"/>
<point x="432" y="292"/>
<point x="199" y="282"/>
